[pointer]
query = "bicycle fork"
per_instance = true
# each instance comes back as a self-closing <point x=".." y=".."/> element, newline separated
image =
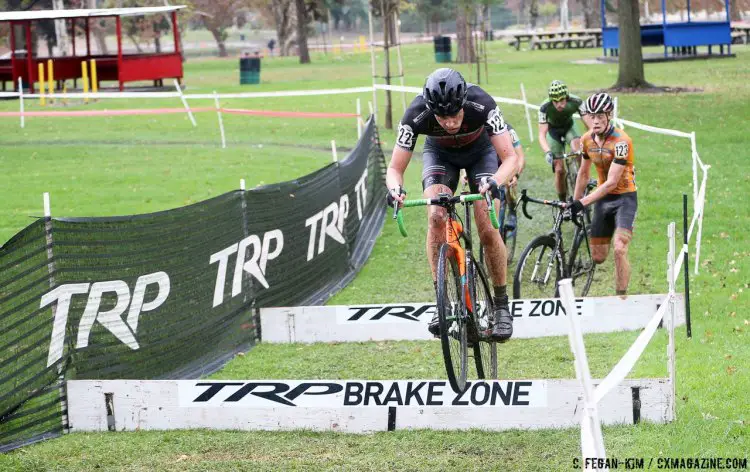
<point x="550" y="265"/>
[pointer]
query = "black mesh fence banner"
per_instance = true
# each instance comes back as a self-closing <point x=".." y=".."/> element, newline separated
<point x="172" y="294"/>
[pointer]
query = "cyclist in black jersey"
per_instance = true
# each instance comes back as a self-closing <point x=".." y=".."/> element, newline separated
<point x="465" y="130"/>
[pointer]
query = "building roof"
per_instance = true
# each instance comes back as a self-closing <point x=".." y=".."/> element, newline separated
<point x="83" y="13"/>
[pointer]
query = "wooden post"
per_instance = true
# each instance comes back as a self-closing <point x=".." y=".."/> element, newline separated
<point x="85" y="79"/>
<point x="88" y="37"/>
<point x="50" y="77"/>
<point x="94" y="79"/>
<point x="42" y="101"/>
<point x="119" y="54"/>
<point x="73" y="34"/>
<point x="13" y="51"/>
<point x="29" y="59"/>
<point x="175" y="33"/>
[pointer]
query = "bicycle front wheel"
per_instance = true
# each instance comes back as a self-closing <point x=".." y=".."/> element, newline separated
<point x="538" y="271"/>
<point x="485" y="353"/>
<point x="452" y="318"/>
<point x="581" y="265"/>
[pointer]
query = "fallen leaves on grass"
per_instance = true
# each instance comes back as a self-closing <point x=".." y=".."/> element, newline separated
<point x="731" y="370"/>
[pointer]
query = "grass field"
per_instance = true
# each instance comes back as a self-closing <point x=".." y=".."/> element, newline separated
<point x="126" y="165"/>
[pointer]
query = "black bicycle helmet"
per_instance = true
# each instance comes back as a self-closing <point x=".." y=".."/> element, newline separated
<point x="445" y="92"/>
<point x="599" y="103"/>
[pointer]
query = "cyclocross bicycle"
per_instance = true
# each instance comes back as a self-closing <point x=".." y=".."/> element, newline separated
<point x="464" y="301"/>
<point x="543" y="263"/>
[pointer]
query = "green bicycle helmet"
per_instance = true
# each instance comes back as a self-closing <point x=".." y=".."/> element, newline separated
<point x="557" y="91"/>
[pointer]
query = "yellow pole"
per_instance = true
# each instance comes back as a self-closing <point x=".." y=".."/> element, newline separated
<point x="50" y="78"/>
<point x="40" y="79"/>
<point x="85" y="79"/>
<point x="65" y="92"/>
<point x="94" y="82"/>
<point x="362" y="44"/>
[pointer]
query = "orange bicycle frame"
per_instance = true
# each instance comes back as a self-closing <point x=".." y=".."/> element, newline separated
<point x="453" y="230"/>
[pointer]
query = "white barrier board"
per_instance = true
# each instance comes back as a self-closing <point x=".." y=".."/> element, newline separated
<point x="355" y="406"/>
<point x="408" y="322"/>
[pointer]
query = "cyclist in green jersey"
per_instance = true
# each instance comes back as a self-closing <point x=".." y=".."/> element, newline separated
<point x="557" y="127"/>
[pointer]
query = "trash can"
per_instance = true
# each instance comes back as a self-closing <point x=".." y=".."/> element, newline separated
<point x="249" y="70"/>
<point x="442" y="48"/>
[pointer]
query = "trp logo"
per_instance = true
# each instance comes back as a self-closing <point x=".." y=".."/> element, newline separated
<point x="124" y="330"/>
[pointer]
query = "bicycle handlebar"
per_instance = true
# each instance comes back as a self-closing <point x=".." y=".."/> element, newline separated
<point x="444" y="201"/>
<point x="555" y="203"/>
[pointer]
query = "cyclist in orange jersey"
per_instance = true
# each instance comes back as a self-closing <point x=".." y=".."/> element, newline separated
<point x="615" y="199"/>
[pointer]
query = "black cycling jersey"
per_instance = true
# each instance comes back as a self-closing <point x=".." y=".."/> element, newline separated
<point x="481" y="114"/>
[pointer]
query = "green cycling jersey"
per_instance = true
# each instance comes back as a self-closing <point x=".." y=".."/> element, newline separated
<point x="561" y="119"/>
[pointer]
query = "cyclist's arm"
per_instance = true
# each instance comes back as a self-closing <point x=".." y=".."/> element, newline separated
<point x="613" y="176"/>
<point x="543" y="129"/>
<point x="504" y="148"/>
<point x="394" y="176"/>
<point x="521" y="159"/>
<point x="582" y="180"/>
<point x="585" y="117"/>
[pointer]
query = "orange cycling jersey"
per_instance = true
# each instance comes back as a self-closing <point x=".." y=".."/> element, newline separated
<point x="617" y="148"/>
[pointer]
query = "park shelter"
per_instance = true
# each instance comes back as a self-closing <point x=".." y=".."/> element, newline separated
<point x="679" y="38"/>
<point x="120" y="67"/>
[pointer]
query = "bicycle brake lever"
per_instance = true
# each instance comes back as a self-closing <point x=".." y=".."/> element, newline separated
<point x="525" y="201"/>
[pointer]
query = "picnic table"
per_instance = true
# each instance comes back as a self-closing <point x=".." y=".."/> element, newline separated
<point x="567" y="39"/>
<point x="740" y="33"/>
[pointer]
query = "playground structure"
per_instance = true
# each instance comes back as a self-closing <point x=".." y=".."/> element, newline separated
<point x="679" y="39"/>
<point x="24" y="62"/>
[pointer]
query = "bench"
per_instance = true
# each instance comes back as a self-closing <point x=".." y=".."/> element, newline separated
<point x="739" y="37"/>
<point x="550" y="43"/>
<point x="580" y="42"/>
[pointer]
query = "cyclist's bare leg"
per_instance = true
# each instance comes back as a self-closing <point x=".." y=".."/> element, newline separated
<point x="622" y="265"/>
<point x="436" y="220"/>
<point x="599" y="252"/>
<point x="494" y="248"/>
<point x="560" y="185"/>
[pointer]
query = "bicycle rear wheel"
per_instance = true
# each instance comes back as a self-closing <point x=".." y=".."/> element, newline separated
<point x="538" y="271"/>
<point x="581" y="265"/>
<point x="485" y="353"/>
<point x="452" y="318"/>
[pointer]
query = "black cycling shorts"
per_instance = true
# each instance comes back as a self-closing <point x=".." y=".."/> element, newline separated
<point x="443" y="166"/>
<point x="615" y="211"/>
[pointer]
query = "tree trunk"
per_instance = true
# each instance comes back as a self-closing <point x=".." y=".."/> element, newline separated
<point x="464" y="37"/>
<point x="533" y="13"/>
<point x="283" y="15"/>
<point x="592" y="14"/>
<point x="304" y="54"/>
<point x="734" y="10"/>
<point x="157" y="44"/>
<point x="219" y="42"/>
<point x="630" y="66"/>
<point x="387" y="40"/>
<point x="134" y="40"/>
